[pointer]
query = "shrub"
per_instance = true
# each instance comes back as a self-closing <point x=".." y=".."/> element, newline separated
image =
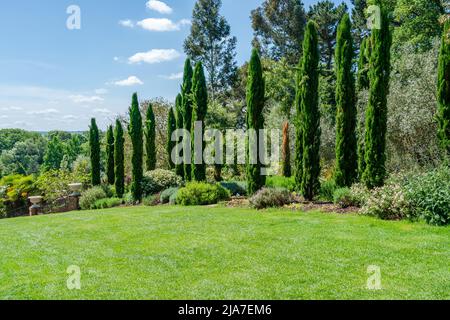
<point x="151" y="201"/>
<point x="235" y="188"/>
<point x="106" y="203"/>
<point x="166" y="194"/>
<point x="429" y="195"/>
<point x="281" y="182"/>
<point x="271" y="198"/>
<point x="90" y="196"/>
<point x="343" y="197"/>
<point x="388" y="203"/>
<point x="158" y="180"/>
<point x="128" y="199"/>
<point x="327" y="190"/>
<point x="173" y="198"/>
<point x="199" y="193"/>
<point x="360" y="194"/>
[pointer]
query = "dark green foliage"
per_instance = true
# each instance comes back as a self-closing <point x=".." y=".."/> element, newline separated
<point x="54" y="154"/>
<point x="363" y="65"/>
<point x="179" y="168"/>
<point x="211" y="43"/>
<point x="359" y="20"/>
<point x="171" y="127"/>
<point x="271" y="198"/>
<point x="235" y="188"/>
<point x="167" y="194"/>
<point x="90" y="196"/>
<point x="308" y="121"/>
<point x="278" y="27"/>
<point x="150" y="136"/>
<point x="186" y="93"/>
<point x="94" y="145"/>
<point x="346" y="144"/>
<point x="281" y="182"/>
<point x="110" y="155"/>
<point x="327" y="189"/>
<point x="119" y="159"/>
<point x="444" y="90"/>
<point x="376" y="114"/>
<point x="135" y="131"/>
<point x="286" y="152"/>
<point x="255" y="120"/>
<point x="106" y="203"/>
<point x="200" y="107"/>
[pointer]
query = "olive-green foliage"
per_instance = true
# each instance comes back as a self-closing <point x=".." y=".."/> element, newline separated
<point x="171" y="127"/>
<point x="199" y="110"/>
<point x="271" y="198"/>
<point x="444" y="90"/>
<point x="376" y="114"/>
<point x="90" y="196"/>
<point x="186" y="94"/>
<point x="346" y="169"/>
<point x="236" y="188"/>
<point x="167" y="194"/>
<point x="94" y="144"/>
<point x="281" y="182"/>
<point x="158" y="180"/>
<point x="179" y="167"/>
<point x="308" y="117"/>
<point x="150" y="136"/>
<point x="119" y="159"/>
<point x="255" y="120"/>
<point x="327" y="189"/>
<point x="150" y="201"/>
<point x="343" y="197"/>
<point x="135" y="131"/>
<point x="53" y="155"/>
<point x="110" y="155"/>
<point x="106" y="203"/>
<point x="200" y="193"/>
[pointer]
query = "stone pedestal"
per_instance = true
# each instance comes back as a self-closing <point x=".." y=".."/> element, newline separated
<point x="36" y="208"/>
<point x="74" y="202"/>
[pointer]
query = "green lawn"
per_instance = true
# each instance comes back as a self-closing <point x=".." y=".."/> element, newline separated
<point x="220" y="253"/>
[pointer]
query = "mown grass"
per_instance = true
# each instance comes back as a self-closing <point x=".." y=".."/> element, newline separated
<point x="219" y="253"/>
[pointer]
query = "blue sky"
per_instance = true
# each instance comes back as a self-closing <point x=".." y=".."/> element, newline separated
<point x="55" y="78"/>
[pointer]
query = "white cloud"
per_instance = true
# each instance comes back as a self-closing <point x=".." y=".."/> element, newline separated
<point x="173" y="76"/>
<point x="126" y="23"/>
<point x="22" y="124"/>
<point x="161" y="24"/>
<point x="116" y="59"/>
<point x="155" y="56"/>
<point x="159" y="6"/>
<point x="70" y="117"/>
<point x="12" y="108"/>
<point x="102" y="111"/>
<point x="79" y="98"/>
<point x="43" y="112"/>
<point x="4" y="117"/>
<point x="131" y="81"/>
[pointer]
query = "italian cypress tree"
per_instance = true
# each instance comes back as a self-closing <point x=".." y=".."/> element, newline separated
<point x="286" y="151"/>
<point x="444" y="89"/>
<point x="200" y="107"/>
<point x="135" y="131"/>
<point x="186" y="93"/>
<point x="150" y="136"/>
<point x="110" y="155"/>
<point x="363" y="65"/>
<point x="171" y="127"/>
<point x="119" y="159"/>
<point x="94" y="144"/>
<point x="255" y="121"/>
<point x="346" y="144"/>
<point x="179" y="168"/>
<point x="376" y="114"/>
<point x="309" y="112"/>
<point x="298" y="158"/>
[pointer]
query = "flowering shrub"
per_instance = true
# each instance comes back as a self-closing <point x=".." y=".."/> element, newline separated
<point x="158" y="180"/>
<point x="271" y="198"/>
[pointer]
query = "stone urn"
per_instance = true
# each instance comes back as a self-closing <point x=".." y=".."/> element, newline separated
<point x="36" y="207"/>
<point x="74" y="198"/>
<point x="76" y="189"/>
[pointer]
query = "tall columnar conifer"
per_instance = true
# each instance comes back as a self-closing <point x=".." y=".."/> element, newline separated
<point x="136" y="135"/>
<point x="444" y="90"/>
<point x="186" y="93"/>
<point x="200" y="107"/>
<point x="119" y="159"/>
<point x="150" y="136"/>
<point x="255" y="121"/>
<point x="171" y="127"/>
<point x="110" y="155"/>
<point x="94" y="144"/>
<point x="376" y="114"/>
<point x="179" y="168"/>
<point x="286" y="151"/>
<point x="363" y="65"/>
<point x="308" y="113"/>
<point x="346" y="144"/>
